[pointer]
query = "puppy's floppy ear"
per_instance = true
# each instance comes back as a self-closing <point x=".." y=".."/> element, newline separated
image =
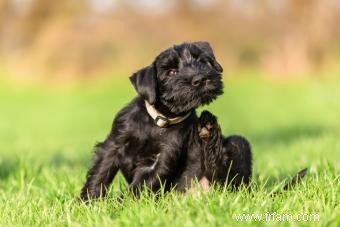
<point x="144" y="81"/>
<point x="206" y="48"/>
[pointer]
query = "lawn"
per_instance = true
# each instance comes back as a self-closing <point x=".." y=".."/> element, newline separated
<point x="47" y="136"/>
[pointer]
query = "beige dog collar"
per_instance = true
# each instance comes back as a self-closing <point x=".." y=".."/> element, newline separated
<point x="160" y="119"/>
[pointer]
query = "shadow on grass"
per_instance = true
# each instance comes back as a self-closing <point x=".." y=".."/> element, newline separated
<point x="58" y="160"/>
<point x="8" y="166"/>
<point x="290" y="134"/>
<point x="11" y="165"/>
<point x="274" y="181"/>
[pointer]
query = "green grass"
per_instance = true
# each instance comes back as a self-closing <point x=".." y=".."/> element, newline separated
<point x="47" y="136"/>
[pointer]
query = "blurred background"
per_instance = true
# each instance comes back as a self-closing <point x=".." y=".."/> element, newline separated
<point x="74" y="40"/>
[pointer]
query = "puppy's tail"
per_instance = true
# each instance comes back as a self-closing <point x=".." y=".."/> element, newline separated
<point x="297" y="178"/>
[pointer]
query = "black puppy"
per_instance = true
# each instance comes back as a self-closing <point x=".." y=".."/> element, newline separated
<point x="154" y="139"/>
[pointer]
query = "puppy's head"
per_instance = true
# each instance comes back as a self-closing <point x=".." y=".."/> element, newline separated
<point x="181" y="78"/>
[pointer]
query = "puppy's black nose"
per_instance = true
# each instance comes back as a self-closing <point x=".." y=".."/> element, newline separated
<point x="198" y="80"/>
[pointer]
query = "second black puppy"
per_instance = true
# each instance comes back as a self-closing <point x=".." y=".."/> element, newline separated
<point x="154" y="138"/>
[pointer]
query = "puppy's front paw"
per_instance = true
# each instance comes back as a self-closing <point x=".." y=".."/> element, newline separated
<point x="207" y="125"/>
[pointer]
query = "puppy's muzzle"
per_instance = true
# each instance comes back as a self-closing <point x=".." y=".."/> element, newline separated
<point x="198" y="80"/>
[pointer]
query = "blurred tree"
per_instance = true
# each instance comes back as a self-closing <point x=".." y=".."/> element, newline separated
<point x="42" y="12"/>
<point x="84" y="38"/>
<point x="4" y="6"/>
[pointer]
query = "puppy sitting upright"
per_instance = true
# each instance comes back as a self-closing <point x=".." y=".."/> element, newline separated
<point x="153" y="140"/>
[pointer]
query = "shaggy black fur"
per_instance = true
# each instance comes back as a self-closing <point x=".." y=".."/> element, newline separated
<point x="223" y="159"/>
<point x="179" y="80"/>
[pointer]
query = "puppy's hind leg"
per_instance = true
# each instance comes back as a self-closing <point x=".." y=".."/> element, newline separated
<point x="238" y="151"/>
<point x="212" y="157"/>
<point x="225" y="160"/>
<point x="103" y="170"/>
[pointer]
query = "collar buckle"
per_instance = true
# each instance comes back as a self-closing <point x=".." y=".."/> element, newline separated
<point x="162" y="121"/>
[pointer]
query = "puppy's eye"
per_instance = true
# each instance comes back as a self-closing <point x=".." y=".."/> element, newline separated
<point x="172" y="72"/>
